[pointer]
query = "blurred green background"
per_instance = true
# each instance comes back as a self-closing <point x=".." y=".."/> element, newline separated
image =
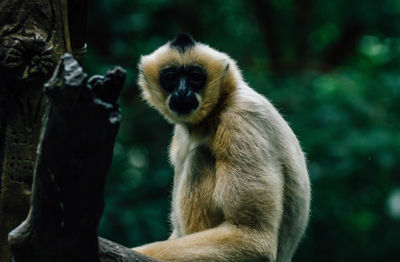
<point x="332" y="68"/>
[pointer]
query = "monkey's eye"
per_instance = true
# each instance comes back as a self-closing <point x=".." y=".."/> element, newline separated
<point x="169" y="79"/>
<point x="197" y="77"/>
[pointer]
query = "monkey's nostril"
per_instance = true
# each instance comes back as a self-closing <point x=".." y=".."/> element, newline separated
<point x="182" y="92"/>
<point x="183" y="104"/>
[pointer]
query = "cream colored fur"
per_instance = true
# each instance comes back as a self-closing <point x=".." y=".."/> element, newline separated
<point x="241" y="189"/>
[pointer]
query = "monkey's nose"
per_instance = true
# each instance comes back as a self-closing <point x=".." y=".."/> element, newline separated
<point x="183" y="104"/>
<point x="182" y="89"/>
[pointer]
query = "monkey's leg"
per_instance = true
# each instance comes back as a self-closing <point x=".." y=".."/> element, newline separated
<point x="221" y="244"/>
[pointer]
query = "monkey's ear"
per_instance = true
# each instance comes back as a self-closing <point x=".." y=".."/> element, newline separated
<point x="226" y="70"/>
<point x="226" y="67"/>
<point x="183" y="42"/>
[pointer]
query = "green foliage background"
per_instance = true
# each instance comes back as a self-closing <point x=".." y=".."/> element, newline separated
<point x="332" y="68"/>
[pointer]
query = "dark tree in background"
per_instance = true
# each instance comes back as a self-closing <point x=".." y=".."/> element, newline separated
<point x="32" y="40"/>
<point x="75" y="130"/>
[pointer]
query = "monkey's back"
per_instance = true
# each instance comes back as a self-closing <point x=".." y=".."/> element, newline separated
<point x="286" y="151"/>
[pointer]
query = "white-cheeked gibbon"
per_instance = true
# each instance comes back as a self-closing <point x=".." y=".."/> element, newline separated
<point x="241" y="189"/>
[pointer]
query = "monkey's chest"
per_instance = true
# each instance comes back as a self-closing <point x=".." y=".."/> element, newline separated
<point x="194" y="206"/>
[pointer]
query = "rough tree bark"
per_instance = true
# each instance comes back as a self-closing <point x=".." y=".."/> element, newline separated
<point x="63" y="218"/>
<point x="31" y="41"/>
<point x="74" y="157"/>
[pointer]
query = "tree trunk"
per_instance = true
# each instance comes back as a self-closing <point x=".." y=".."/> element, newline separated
<point x="31" y="41"/>
<point x="75" y="154"/>
<point x="77" y="141"/>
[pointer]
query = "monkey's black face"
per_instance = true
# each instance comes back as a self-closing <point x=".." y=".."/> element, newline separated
<point x="183" y="83"/>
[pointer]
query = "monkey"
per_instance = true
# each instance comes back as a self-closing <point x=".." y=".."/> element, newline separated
<point x="241" y="190"/>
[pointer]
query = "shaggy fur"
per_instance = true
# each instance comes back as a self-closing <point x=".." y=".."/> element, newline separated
<point x="241" y="188"/>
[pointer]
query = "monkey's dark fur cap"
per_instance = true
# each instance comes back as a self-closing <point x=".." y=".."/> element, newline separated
<point x="183" y="42"/>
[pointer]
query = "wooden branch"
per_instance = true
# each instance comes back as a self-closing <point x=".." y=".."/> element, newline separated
<point x="112" y="252"/>
<point x="75" y="155"/>
<point x="2" y="130"/>
<point x="31" y="42"/>
<point x="76" y="149"/>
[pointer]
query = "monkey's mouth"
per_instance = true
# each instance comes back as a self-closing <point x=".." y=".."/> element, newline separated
<point x="183" y="105"/>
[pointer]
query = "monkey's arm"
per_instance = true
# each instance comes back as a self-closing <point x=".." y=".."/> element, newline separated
<point x="250" y="232"/>
<point x="221" y="244"/>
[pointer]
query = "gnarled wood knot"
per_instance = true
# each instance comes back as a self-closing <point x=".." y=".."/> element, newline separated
<point x="28" y="55"/>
